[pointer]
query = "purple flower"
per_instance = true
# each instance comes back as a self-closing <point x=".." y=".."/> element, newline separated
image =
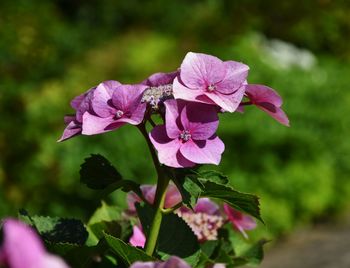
<point x="22" y="248"/>
<point x="204" y="220"/>
<point x="240" y="221"/>
<point x="205" y="78"/>
<point x="80" y="104"/>
<point x="114" y="105"/>
<point x="188" y="136"/>
<point x="138" y="239"/>
<point x="268" y="100"/>
<point x="172" y="262"/>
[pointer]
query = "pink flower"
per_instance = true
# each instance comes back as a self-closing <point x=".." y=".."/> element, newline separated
<point x="240" y="221"/>
<point x="172" y="196"/>
<point x="138" y="239"/>
<point x="80" y="104"/>
<point x="205" y="78"/>
<point x="268" y="100"/>
<point x="172" y="262"/>
<point x="23" y="248"/>
<point x="188" y="136"/>
<point x="114" y="105"/>
<point x="204" y="220"/>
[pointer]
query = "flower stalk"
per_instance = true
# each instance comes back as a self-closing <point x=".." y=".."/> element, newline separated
<point x="162" y="185"/>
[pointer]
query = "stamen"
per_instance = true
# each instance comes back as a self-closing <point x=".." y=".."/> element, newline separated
<point x="211" y="87"/>
<point x="119" y="114"/>
<point x="185" y="135"/>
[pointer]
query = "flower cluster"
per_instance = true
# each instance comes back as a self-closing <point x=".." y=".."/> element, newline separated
<point x="205" y="219"/>
<point x="21" y="247"/>
<point x="188" y="100"/>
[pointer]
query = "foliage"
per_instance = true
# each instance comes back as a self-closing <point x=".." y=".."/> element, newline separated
<point x="47" y="59"/>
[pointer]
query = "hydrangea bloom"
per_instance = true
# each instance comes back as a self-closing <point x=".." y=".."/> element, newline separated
<point x="240" y="221"/>
<point x="268" y="100"/>
<point x="80" y="104"/>
<point x="22" y="248"/>
<point x="188" y="136"/>
<point x="114" y="105"/>
<point x="172" y="262"/>
<point x="205" y="78"/>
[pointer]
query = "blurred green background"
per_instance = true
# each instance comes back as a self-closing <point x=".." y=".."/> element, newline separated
<point x="51" y="51"/>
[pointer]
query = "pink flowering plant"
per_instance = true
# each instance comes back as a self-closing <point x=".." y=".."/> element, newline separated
<point x="187" y="218"/>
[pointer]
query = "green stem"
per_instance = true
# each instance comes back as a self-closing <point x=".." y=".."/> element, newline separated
<point x="159" y="200"/>
<point x="152" y="238"/>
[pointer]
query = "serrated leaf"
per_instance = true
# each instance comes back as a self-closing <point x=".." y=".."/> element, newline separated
<point x="127" y="253"/>
<point x="175" y="236"/>
<point x="58" y="230"/>
<point x="98" y="173"/>
<point x="244" y="202"/>
<point x="212" y="176"/>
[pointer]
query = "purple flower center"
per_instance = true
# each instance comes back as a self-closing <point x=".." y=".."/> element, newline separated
<point x="185" y="135"/>
<point x="119" y="114"/>
<point x="211" y="87"/>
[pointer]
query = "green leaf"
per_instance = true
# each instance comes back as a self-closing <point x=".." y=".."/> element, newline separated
<point x="57" y="230"/>
<point x="244" y="202"/>
<point x="98" y="173"/>
<point x="127" y="253"/>
<point x="255" y="254"/>
<point x="175" y="236"/>
<point x="190" y="189"/>
<point x="105" y="213"/>
<point x="107" y="219"/>
<point x="212" y="176"/>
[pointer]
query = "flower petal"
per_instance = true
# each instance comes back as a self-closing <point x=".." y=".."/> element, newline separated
<point x="236" y="75"/>
<point x="23" y="248"/>
<point x="203" y="152"/>
<point x="200" y="119"/>
<point x="227" y="102"/>
<point x="261" y="93"/>
<point x="268" y="100"/>
<point x="239" y="220"/>
<point x="101" y="99"/>
<point x="182" y="92"/>
<point x="200" y="70"/>
<point x="72" y="129"/>
<point x="95" y="125"/>
<point x="160" y="79"/>
<point x="138" y="239"/>
<point x="172" y="111"/>
<point x="172" y="196"/>
<point x="128" y="97"/>
<point x="168" y="149"/>
<point x="205" y="205"/>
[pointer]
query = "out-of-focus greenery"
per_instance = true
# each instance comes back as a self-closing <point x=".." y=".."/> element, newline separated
<point x="51" y="51"/>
